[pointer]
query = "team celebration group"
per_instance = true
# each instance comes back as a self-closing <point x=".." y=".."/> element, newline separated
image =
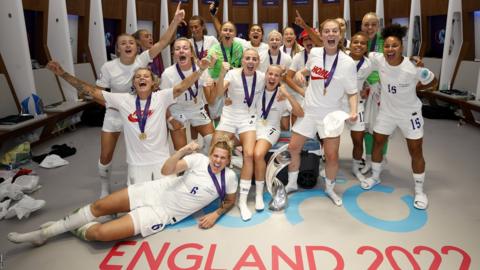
<point x="238" y="93"/>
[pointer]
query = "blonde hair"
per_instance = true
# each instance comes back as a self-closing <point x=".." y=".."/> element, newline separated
<point x="155" y="79"/>
<point x="192" y="50"/>
<point x="274" y="32"/>
<point x="222" y="142"/>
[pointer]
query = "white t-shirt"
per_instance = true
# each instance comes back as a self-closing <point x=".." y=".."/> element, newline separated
<point x="185" y="102"/>
<point x="344" y="82"/>
<point x="154" y="149"/>
<point x="278" y="109"/>
<point x="195" y="189"/>
<point x="206" y="44"/>
<point x="362" y="74"/>
<point x="285" y="60"/>
<point x="289" y="50"/>
<point x="299" y="61"/>
<point x="118" y="77"/>
<point x="399" y="95"/>
<point x="248" y="45"/>
<point x="236" y="92"/>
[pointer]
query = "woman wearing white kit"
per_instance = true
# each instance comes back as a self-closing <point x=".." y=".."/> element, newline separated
<point x="290" y="45"/>
<point x="245" y="86"/>
<point x="189" y="108"/>
<point x="116" y="75"/>
<point x="274" y="56"/>
<point x="400" y="108"/>
<point x="275" y="102"/>
<point x="332" y="75"/>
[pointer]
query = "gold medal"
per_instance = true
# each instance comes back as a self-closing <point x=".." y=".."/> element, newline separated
<point x="195" y="100"/>
<point x="264" y="122"/>
<point x="324" y="91"/>
<point x="142" y="136"/>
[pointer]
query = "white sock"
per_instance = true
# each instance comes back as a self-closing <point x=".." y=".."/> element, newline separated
<point x="242" y="200"/>
<point x="81" y="232"/>
<point x="73" y="221"/>
<point x="207" y="140"/>
<point x="329" y="185"/>
<point x="356" y="164"/>
<point x="259" y="204"/>
<point x="292" y="182"/>
<point x="376" y="170"/>
<point x="77" y="219"/>
<point x="419" y="179"/>
<point x="104" y="171"/>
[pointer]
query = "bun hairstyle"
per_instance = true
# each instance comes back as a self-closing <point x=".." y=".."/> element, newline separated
<point x="222" y="142"/>
<point x="394" y="30"/>
<point x="155" y="79"/>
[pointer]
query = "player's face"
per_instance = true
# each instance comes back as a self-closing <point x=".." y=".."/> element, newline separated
<point x="143" y="81"/>
<point x="275" y="41"/>
<point x="228" y="33"/>
<point x="219" y="159"/>
<point x="288" y="37"/>
<point x="343" y="26"/>
<point x="146" y="40"/>
<point x="358" y="46"/>
<point x="392" y="50"/>
<point x="250" y="61"/>
<point x="196" y="28"/>
<point x="273" y="77"/>
<point x="126" y="46"/>
<point x="255" y="34"/>
<point x="182" y="52"/>
<point x="370" y="26"/>
<point x="330" y="35"/>
<point x="307" y="43"/>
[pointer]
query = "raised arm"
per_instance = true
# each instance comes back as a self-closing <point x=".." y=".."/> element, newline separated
<point x="175" y="164"/>
<point x="221" y="84"/>
<point x="191" y="79"/>
<point x="167" y="37"/>
<point x="301" y="22"/>
<point x="81" y="86"/>
<point x="208" y="220"/>
<point x="216" y="21"/>
<point x="297" y="109"/>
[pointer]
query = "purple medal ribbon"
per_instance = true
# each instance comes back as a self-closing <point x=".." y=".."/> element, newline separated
<point x="305" y="59"/>
<point x="360" y="63"/>
<point x="249" y="97"/>
<point x="182" y="76"/>
<point x="266" y="111"/>
<point x="224" y="52"/>
<point x="221" y="190"/>
<point x="278" y="58"/>
<point x="284" y="49"/>
<point x="142" y="117"/>
<point x="326" y="82"/>
<point x="199" y="54"/>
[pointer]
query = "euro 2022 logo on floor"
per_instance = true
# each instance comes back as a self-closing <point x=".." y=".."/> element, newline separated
<point x="415" y="220"/>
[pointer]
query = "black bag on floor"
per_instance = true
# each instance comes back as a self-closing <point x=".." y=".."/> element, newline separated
<point x="438" y="112"/>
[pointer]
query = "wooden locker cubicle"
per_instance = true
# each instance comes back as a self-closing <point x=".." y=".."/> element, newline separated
<point x="329" y="10"/>
<point x="271" y="11"/>
<point x="203" y="10"/>
<point x="149" y="10"/>
<point x="240" y="12"/>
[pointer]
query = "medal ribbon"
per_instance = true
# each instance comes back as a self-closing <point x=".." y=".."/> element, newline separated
<point x="182" y="76"/>
<point x="278" y="58"/>
<point x="221" y="190"/>
<point x="249" y="96"/>
<point x="266" y="111"/>
<point x="326" y="82"/>
<point x="224" y="52"/>
<point x="360" y="63"/>
<point x="199" y="54"/>
<point x="142" y="117"/>
<point x="305" y="59"/>
<point x="373" y="43"/>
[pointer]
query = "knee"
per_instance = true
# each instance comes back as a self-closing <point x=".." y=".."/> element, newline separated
<point x="257" y="156"/>
<point x="247" y="155"/>
<point x="98" y="233"/>
<point x="331" y="157"/>
<point x="99" y="208"/>
<point x="294" y="149"/>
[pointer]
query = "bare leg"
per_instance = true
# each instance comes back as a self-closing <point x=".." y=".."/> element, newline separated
<point x="179" y="138"/>
<point x="261" y="149"/>
<point x="113" y="230"/>
<point x="331" y="146"/>
<point x="247" y="139"/>
<point x="295" y="148"/>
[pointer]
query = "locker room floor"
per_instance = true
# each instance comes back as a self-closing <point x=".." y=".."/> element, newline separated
<point x="376" y="228"/>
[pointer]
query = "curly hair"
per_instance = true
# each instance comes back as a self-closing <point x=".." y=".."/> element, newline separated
<point x="394" y="30"/>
